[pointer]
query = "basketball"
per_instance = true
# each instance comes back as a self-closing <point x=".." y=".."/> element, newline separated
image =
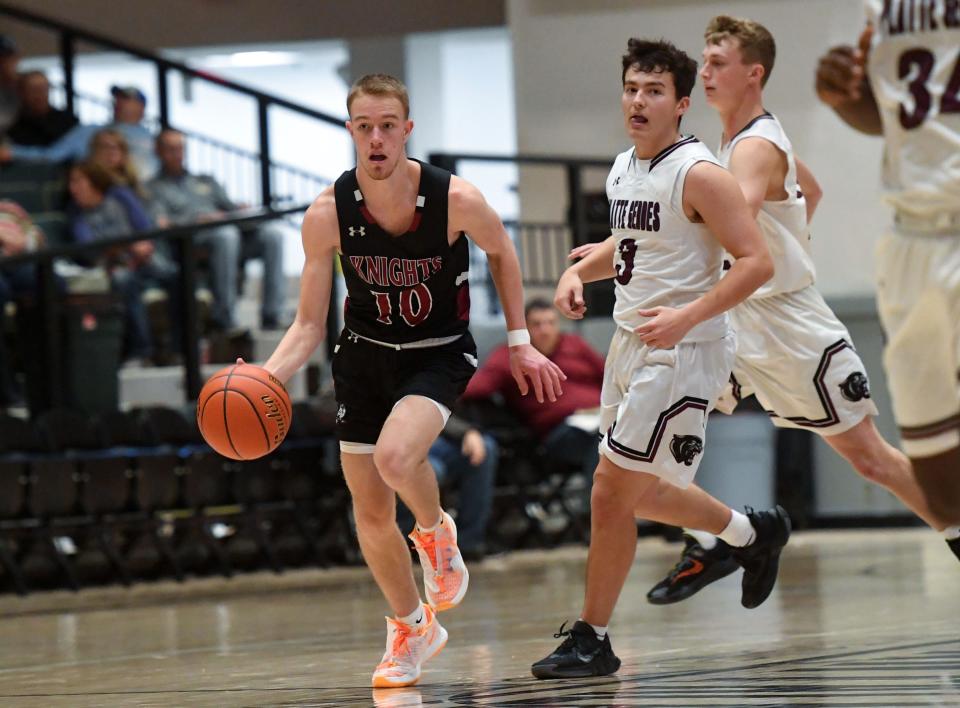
<point x="243" y="412"/>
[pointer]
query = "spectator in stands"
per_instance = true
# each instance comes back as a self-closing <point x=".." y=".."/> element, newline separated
<point x="38" y="123"/>
<point x="18" y="234"/>
<point x="468" y="458"/>
<point x="9" y="99"/>
<point x="178" y="197"/>
<point x="100" y="209"/>
<point x="128" y="110"/>
<point x="566" y="439"/>
<point x="109" y="149"/>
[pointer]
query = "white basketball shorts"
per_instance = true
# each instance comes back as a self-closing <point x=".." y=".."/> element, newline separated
<point x="654" y="403"/>
<point x="918" y="295"/>
<point x="798" y="359"/>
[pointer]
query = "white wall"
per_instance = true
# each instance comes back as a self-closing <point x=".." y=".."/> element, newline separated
<point x="567" y="68"/>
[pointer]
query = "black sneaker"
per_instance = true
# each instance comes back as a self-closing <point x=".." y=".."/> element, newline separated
<point x="955" y="547"/>
<point x="698" y="567"/>
<point x="581" y="654"/>
<point x="761" y="559"/>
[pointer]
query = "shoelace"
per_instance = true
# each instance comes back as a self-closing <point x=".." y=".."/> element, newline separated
<point x="428" y="542"/>
<point x="569" y="641"/>
<point x="401" y="643"/>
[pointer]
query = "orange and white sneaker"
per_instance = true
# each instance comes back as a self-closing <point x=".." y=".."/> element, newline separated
<point x="445" y="576"/>
<point x="407" y="649"/>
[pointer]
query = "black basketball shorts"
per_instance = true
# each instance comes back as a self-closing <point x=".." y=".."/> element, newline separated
<point x="369" y="379"/>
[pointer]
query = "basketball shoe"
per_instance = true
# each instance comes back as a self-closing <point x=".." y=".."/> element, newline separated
<point x="445" y="576"/>
<point x="954" y="545"/>
<point x="698" y="567"/>
<point x="761" y="559"/>
<point x="580" y="654"/>
<point x="407" y="649"/>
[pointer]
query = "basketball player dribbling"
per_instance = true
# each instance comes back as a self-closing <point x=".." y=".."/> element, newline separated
<point x="792" y="351"/>
<point x="673" y="212"/>
<point x="405" y="353"/>
<point x="903" y="82"/>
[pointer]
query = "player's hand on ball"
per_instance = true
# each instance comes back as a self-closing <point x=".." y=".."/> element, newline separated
<point x="525" y="361"/>
<point x="666" y="327"/>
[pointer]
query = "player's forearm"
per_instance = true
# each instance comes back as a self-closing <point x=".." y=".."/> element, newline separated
<point x="505" y="271"/>
<point x="861" y="114"/>
<point x="598" y="264"/>
<point x="295" y="348"/>
<point x="745" y="275"/>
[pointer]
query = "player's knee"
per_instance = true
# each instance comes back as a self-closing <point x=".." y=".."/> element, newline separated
<point x="394" y="464"/>
<point x="872" y="468"/>
<point x="371" y="518"/>
<point x="605" y="500"/>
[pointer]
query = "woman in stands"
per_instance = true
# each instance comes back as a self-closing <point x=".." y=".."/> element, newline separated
<point x="110" y="150"/>
<point x="101" y="209"/>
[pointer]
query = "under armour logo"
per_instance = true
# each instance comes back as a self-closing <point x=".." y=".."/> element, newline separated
<point x="354" y="232"/>
<point x="616" y="181"/>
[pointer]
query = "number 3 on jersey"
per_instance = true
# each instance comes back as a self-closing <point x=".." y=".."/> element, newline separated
<point x="414" y="304"/>
<point x="627" y="249"/>
<point x="917" y="65"/>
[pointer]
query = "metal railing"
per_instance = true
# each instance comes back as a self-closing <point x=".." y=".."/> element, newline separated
<point x="69" y="35"/>
<point x="48" y="299"/>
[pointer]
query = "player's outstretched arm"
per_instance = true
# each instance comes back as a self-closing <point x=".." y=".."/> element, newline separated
<point x="321" y="240"/>
<point x="596" y="264"/>
<point x="810" y="188"/>
<point x="841" y="83"/>
<point x="470" y="213"/>
<point x="713" y="194"/>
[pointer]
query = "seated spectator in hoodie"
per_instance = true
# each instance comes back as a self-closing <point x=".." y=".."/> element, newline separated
<point x="100" y="209"/>
<point x="38" y="123"/>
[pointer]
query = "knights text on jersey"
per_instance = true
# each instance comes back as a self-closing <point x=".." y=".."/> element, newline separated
<point x="405" y="288"/>
<point x="661" y="258"/>
<point x="783" y="223"/>
<point x="914" y="69"/>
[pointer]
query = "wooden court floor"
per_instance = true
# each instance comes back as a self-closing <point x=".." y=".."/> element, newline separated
<point x="865" y="618"/>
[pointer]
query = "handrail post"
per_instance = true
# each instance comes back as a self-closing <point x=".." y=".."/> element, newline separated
<point x="163" y="95"/>
<point x="50" y="322"/>
<point x="67" y="55"/>
<point x="187" y="287"/>
<point x="578" y="214"/>
<point x="266" y="196"/>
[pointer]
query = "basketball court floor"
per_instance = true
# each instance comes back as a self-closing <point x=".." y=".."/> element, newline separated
<point x="860" y="618"/>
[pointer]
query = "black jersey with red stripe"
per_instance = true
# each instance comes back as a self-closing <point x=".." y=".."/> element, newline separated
<point x="404" y="288"/>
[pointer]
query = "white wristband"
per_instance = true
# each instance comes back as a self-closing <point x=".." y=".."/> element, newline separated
<point x="516" y="337"/>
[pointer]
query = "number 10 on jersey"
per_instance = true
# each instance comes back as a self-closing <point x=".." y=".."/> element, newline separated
<point x="413" y="303"/>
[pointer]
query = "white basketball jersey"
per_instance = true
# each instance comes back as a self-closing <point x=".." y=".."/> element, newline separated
<point x="662" y="258"/>
<point x="783" y="223"/>
<point x="914" y="69"/>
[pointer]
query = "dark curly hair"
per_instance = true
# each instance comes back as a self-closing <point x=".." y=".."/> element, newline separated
<point x="661" y="56"/>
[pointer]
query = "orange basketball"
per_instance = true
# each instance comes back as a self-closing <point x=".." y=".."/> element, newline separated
<point x="243" y="412"/>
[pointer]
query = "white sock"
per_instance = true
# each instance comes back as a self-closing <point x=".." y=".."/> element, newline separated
<point x="414" y="618"/>
<point x="951" y="532"/>
<point x="705" y="539"/>
<point x="601" y="631"/>
<point x="433" y="528"/>
<point x="739" y="532"/>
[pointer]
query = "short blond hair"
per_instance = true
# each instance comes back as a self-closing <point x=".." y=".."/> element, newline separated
<point x="756" y="42"/>
<point x="380" y="85"/>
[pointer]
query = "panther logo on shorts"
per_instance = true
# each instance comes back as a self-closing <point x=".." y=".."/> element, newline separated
<point x="685" y="448"/>
<point x="341" y="413"/>
<point x="856" y="387"/>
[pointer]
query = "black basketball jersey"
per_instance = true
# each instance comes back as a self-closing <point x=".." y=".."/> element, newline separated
<point x="404" y="288"/>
